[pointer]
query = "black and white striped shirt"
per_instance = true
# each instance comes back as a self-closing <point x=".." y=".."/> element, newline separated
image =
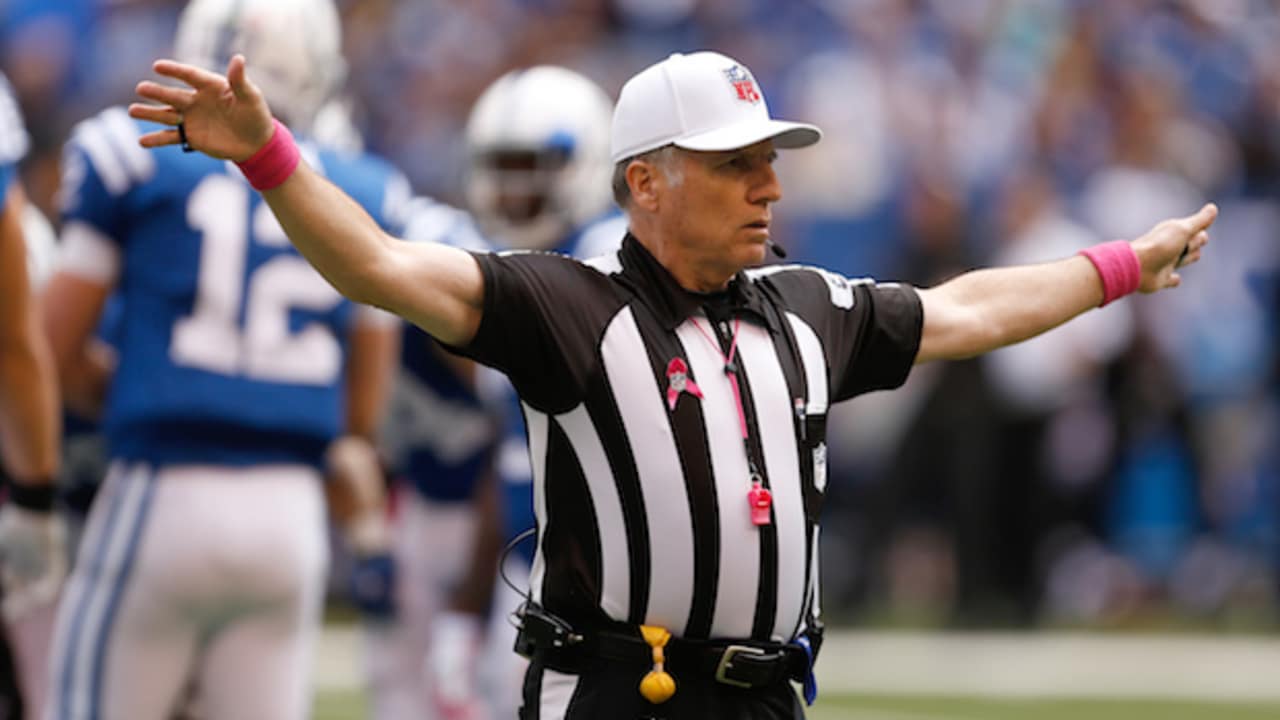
<point x="642" y="508"/>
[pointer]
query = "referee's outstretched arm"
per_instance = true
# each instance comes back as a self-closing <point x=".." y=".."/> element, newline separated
<point x="441" y="289"/>
<point x="983" y="310"/>
<point x="436" y="287"/>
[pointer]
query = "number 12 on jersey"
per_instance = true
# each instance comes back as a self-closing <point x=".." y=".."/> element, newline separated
<point x="261" y="346"/>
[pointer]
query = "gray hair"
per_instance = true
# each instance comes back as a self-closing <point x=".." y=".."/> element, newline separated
<point x="665" y="160"/>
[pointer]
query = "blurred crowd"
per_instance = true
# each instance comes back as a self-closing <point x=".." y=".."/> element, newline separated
<point x="1124" y="468"/>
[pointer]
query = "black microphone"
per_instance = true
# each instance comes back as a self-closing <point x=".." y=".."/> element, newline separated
<point x="776" y="248"/>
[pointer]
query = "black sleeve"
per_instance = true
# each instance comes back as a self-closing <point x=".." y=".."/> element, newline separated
<point x="543" y="314"/>
<point x="887" y="339"/>
<point x="870" y="332"/>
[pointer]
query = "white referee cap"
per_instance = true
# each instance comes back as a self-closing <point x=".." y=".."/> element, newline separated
<point x="700" y="101"/>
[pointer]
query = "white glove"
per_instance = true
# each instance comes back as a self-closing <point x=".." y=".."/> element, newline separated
<point x="33" y="558"/>
<point x="451" y="665"/>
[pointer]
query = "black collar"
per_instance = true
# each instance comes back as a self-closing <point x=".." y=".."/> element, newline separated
<point x="671" y="303"/>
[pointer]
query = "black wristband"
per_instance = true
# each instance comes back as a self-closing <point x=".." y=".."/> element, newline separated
<point x="33" y="497"/>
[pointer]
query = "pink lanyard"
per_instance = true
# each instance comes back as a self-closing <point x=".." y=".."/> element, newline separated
<point x="730" y="369"/>
<point x="759" y="498"/>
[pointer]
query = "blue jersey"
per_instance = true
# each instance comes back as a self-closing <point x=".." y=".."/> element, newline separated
<point x="13" y="139"/>
<point x="231" y="347"/>
<point x="440" y="435"/>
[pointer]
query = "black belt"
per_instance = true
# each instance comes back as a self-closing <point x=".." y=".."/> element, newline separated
<point x="744" y="664"/>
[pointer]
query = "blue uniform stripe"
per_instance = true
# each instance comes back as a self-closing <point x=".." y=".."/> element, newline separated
<point x="82" y="604"/>
<point x="80" y="674"/>
<point x="126" y="565"/>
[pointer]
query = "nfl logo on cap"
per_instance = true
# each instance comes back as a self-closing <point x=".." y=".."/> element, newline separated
<point x="743" y="84"/>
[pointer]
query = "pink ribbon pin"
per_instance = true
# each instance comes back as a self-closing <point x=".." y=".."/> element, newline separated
<point x="678" y="381"/>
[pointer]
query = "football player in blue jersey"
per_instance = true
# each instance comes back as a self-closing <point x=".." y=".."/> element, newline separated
<point x="541" y="183"/>
<point x="439" y="437"/>
<point x="242" y="378"/>
<point x="32" y="544"/>
<point x="538" y="146"/>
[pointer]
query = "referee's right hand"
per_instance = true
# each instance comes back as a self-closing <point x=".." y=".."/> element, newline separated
<point x="223" y="116"/>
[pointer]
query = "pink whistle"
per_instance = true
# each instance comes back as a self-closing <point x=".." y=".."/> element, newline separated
<point x="761" y="501"/>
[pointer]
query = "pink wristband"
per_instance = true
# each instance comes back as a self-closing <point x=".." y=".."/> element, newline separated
<point x="274" y="162"/>
<point x="1119" y="267"/>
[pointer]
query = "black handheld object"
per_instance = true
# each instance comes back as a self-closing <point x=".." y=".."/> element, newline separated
<point x="539" y="628"/>
<point x="1183" y="256"/>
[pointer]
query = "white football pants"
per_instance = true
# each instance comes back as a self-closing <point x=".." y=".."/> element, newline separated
<point x="433" y="548"/>
<point x="193" y="583"/>
<point x="433" y="544"/>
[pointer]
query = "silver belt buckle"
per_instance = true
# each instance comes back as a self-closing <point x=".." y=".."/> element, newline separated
<point x="726" y="662"/>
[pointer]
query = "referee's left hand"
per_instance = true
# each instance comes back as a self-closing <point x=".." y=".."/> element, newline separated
<point x="1170" y="245"/>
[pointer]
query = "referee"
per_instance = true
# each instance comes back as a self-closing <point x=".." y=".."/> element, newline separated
<point x="676" y="400"/>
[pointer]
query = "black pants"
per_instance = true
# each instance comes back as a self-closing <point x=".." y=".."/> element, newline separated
<point x="611" y="691"/>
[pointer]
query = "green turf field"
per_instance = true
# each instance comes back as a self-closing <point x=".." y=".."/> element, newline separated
<point x="887" y="707"/>
<point x="348" y="706"/>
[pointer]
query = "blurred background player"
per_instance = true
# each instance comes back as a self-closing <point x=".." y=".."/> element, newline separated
<point x="440" y="437"/>
<point x="538" y="184"/>
<point x="538" y="179"/>
<point x="32" y="537"/>
<point x="241" y="377"/>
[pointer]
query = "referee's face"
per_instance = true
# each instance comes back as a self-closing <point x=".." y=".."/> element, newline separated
<point x="720" y="210"/>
